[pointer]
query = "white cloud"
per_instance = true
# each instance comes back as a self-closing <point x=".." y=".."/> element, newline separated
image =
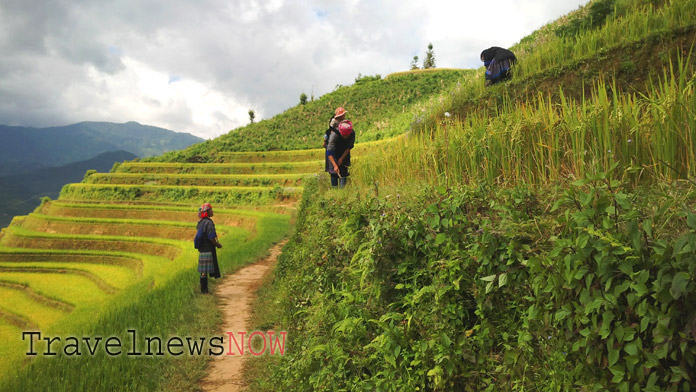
<point x="200" y="66"/>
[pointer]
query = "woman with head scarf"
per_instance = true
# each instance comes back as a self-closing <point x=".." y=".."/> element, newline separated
<point x="338" y="153"/>
<point x="498" y="62"/>
<point x="206" y="241"/>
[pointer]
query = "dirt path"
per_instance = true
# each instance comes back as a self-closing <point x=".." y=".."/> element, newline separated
<point x="236" y="293"/>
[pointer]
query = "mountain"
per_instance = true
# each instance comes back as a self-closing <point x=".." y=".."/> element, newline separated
<point x="26" y="149"/>
<point x="20" y="194"/>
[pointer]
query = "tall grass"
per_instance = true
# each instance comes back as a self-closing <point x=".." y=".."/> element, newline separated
<point x="647" y="136"/>
<point x="637" y="22"/>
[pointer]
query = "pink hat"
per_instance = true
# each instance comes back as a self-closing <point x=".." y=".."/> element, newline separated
<point x="345" y="127"/>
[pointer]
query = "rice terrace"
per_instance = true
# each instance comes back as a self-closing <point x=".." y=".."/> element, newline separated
<point x="538" y="234"/>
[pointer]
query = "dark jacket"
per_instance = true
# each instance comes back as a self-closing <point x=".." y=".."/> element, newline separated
<point x="206" y="233"/>
<point x="336" y="146"/>
<point x="498" y="62"/>
<point x="498" y="54"/>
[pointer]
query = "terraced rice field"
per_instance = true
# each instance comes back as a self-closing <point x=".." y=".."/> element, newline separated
<point x="115" y="236"/>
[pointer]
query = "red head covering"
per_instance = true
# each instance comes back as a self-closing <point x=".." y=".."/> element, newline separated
<point x="345" y="127"/>
<point x="204" y="210"/>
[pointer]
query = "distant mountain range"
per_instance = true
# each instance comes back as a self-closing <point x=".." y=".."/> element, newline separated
<point x="37" y="162"/>
<point x="20" y="194"/>
<point x="25" y="149"/>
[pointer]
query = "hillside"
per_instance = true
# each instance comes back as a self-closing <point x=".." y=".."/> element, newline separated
<point x="539" y="234"/>
<point x="379" y="108"/>
<point x="529" y="236"/>
<point x="25" y="149"/>
<point x="20" y="194"/>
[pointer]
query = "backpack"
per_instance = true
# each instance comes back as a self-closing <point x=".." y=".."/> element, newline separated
<point x="327" y="134"/>
<point x="200" y="238"/>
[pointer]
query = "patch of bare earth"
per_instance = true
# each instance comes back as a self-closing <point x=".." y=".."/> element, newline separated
<point x="236" y="294"/>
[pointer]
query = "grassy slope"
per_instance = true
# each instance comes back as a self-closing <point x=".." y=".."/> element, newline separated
<point x="553" y="287"/>
<point x="378" y="109"/>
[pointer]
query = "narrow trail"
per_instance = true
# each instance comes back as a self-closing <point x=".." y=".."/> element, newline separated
<point x="236" y="293"/>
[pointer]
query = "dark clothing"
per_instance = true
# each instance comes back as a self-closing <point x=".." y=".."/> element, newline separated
<point x="338" y="182"/>
<point x="336" y="146"/>
<point x="498" y="54"/>
<point x="206" y="230"/>
<point x="498" y="62"/>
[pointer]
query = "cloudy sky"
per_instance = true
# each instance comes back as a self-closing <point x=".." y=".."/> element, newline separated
<point x="199" y="66"/>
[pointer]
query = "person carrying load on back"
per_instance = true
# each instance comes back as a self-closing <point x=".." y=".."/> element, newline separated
<point x="338" y="153"/>
<point x="206" y="241"/>
<point x="339" y="115"/>
<point x="498" y="62"/>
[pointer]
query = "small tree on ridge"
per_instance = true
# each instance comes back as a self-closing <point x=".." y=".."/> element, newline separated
<point x="429" y="61"/>
<point x="414" y="63"/>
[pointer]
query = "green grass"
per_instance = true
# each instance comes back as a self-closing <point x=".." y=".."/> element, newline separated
<point x="135" y="264"/>
<point x="10" y="345"/>
<point x="113" y="275"/>
<point x="110" y="226"/>
<point x="379" y="109"/>
<point x="17" y="301"/>
<point x="649" y="137"/>
<point x="206" y="180"/>
<point x="157" y="274"/>
<point x="161" y="311"/>
<point x="190" y="194"/>
<point x="191" y="209"/>
<point x="71" y="288"/>
<point x="23" y="238"/>
<point x="634" y="21"/>
<point x="220" y="168"/>
<point x="279" y="156"/>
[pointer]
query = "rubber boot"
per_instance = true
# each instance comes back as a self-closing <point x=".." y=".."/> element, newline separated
<point x="204" y="284"/>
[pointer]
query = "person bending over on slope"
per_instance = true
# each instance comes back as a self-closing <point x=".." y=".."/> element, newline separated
<point x="338" y="153"/>
<point x="206" y="241"/>
<point x="498" y="62"/>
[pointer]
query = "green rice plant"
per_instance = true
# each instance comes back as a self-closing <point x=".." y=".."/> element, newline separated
<point x="637" y="22"/>
<point x="196" y="179"/>
<point x="17" y="301"/>
<point x="191" y="194"/>
<point x="648" y="136"/>
<point x="84" y="271"/>
<point x="101" y="226"/>
<point x="361" y="148"/>
<point x="220" y="168"/>
<point x="273" y="156"/>
<point x="153" y="311"/>
<point x="112" y="275"/>
<point x="145" y="213"/>
<point x="23" y="238"/>
<point x="36" y="256"/>
<point x="74" y="289"/>
<point x="133" y="205"/>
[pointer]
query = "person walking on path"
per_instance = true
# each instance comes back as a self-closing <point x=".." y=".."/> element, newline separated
<point x="338" y="153"/>
<point x="206" y="241"/>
